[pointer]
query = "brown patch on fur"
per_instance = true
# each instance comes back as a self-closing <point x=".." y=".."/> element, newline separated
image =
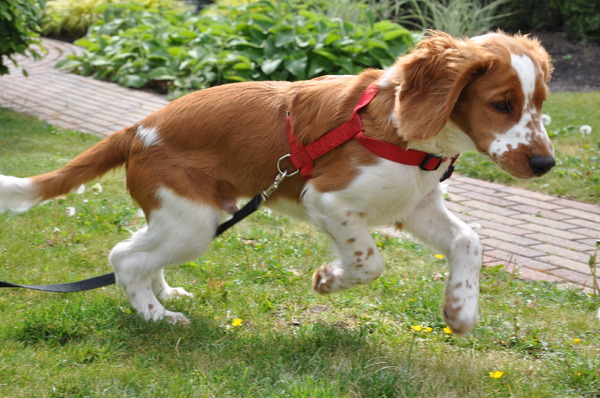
<point x="351" y="240"/>
<point x="370" y="252"/>
<point x="358" y="253"/>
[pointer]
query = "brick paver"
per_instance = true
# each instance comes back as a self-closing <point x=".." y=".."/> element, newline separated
<point x="540" y="236"/>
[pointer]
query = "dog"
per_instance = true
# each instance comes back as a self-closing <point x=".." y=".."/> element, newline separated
<point x="193" y="159"/>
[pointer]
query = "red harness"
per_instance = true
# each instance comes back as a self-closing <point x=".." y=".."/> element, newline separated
<point x="303" y="156"/>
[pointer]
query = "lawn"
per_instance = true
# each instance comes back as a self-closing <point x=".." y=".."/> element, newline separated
<point x="257" y="330"/>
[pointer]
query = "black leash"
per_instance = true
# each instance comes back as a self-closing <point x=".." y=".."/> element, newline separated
<point x="109" y="279"/>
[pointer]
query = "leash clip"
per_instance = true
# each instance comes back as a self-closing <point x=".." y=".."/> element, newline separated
<point x="267" y="192"/>
<point x="283" y="174"/>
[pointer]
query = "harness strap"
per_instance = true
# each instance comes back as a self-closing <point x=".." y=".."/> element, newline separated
<point x="303" y="156"/>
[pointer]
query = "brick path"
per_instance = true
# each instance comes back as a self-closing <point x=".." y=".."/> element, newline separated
<point x="544" y="237"/>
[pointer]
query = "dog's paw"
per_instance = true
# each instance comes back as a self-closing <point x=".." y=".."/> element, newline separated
<point x="158" y="313"/>
<point x="176" y="318"/>
<point x="325" y="280"/>
<point x="173" y="293"/>
<point x="461" y="317"/>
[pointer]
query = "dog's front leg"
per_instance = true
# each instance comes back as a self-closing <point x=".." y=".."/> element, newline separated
<point x="358" y="262"/>
<point x="432" y="223"/>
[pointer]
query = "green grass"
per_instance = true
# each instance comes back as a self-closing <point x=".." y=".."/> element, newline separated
<point x="291" y="343"/>
<point x="577" y="173"/>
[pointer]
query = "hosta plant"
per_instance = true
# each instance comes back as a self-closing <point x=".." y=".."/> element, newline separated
<point x="260" y="41"/>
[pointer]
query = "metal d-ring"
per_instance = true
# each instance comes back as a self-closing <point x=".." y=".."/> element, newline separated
<point x="285" y="170"/>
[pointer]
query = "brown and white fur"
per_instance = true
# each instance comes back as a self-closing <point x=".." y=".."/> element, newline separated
<point x="195" y="157"/>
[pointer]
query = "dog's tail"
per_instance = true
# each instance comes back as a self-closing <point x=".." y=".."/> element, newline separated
<point x="19" y="194"/>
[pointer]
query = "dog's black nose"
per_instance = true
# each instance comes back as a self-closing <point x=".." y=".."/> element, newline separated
<point x="541" y="164"/>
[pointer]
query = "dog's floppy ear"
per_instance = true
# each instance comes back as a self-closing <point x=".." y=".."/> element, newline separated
<point x="432" y="78"/>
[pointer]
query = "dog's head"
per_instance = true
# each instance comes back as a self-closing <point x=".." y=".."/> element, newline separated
<point x="492" y="87"/>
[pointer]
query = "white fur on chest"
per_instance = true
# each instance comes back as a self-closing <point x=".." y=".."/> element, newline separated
<point x="385" y="192"/>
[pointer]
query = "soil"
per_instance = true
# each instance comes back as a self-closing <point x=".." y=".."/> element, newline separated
<point x="576" y="65"/>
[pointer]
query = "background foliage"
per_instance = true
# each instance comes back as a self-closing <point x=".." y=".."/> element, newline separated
<point x="260" y="41"/>
<point x="71" y="19"/>
<point x="580" y="19"/>
<point x="19" y="29"/>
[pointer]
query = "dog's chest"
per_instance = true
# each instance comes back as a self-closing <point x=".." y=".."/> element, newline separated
<point x="386" y="193"/>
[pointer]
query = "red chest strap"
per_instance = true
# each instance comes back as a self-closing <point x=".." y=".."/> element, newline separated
<point x="303" y="156"/>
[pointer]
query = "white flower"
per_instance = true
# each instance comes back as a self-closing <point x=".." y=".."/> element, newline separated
<point x="546" y="120"/>
<point x="80" y="190"/>
<point x="70" y="211"/>
<point x="96" y="189"/>
<point x="585" y="129"/>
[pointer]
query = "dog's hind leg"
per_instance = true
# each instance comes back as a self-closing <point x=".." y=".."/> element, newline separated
<point x="178" y="231"/>
<point x="161" y="288"/>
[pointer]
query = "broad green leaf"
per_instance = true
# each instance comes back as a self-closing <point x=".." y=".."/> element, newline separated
<point x="270" y="65"/>
<point x="297" y="67"/>
<point x="136" y="81"/>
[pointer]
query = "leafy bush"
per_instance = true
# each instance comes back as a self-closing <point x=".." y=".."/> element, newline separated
<point x="71" y="19"/>
<point x="19" y="25"/>
<point x="580" y="19"/>
<point x="259" y="41"/>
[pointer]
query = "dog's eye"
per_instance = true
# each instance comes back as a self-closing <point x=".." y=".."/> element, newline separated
<point x="503" y="107"/>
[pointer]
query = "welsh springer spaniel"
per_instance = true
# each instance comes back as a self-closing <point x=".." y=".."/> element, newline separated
<point x="195" y="157"/>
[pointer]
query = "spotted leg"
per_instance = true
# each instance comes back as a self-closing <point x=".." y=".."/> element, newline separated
<point x="432" y="223"/>
<point x="358" y="261"/>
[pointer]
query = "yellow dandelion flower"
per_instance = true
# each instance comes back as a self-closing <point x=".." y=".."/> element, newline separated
<point x="428" y="329"/>
<point x="496" y="375"/>
<point x="447" y="330"/>
<point x="439" y="256"/>
<point x="417" y="328"/>
<point x="576" y="341"/>
<point x="236" y="322"/>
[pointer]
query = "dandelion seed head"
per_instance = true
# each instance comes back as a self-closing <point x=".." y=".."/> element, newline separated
<point x="546" y="119"/>
<point x="585" y="130"/>
<point x="70" y="211"/>
<point x="96" y="189"/>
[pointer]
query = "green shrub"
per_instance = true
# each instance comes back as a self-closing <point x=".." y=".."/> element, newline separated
<point x="19" y="26"/>
<point x="71" y="19"/>
<point x="259" y="41"/>
<point x="532" y="15"/>
<point x="580" y="19"/>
